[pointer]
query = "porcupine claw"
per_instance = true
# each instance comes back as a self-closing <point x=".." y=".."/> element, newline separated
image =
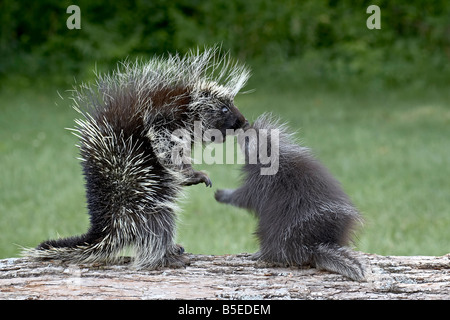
<point x="204" y="178"/>
<point x="208" y="182"/>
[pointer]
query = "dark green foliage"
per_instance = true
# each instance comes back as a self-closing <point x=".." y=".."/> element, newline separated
<point x="328" y="38"/>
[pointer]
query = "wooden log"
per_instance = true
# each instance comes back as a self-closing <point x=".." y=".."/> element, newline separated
<point x="226" y="277"/>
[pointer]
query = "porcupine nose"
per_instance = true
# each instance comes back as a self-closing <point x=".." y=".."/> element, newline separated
<point x="241" y="124"/>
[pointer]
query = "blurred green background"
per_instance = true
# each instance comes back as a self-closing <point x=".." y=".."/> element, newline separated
<point x="374" y="106"/>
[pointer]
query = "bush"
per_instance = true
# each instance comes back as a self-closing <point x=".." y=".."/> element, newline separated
<point x="330" y="35"/>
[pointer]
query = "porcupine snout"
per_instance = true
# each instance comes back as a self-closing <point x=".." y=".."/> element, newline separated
<point x="240" y="123"/>
<point x="239" y="120"/>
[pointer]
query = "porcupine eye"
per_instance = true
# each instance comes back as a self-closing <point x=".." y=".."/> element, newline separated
<point x="225" y="110"/>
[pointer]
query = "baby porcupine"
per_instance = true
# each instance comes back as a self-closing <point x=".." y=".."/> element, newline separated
<point x="126" y="146"/>
<point x="304" y="215"/>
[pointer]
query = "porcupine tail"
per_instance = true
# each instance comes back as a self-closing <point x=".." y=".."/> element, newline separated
<point x="334" y="258"/>
<point x="78" y="249"/>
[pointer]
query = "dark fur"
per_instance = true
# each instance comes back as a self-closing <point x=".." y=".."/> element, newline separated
<point x="131" y="184"/>
<point x="304" y="215"/>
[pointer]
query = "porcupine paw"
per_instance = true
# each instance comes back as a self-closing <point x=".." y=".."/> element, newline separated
<point x="256" y="256"/>
<point x="261" y="262"/>
<point x="176" y="259"/>
<point x="198" y="177"/>
<point x="179" y="249"/>
<point x="223" y="195"/>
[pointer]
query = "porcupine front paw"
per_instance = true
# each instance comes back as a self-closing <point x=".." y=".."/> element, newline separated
<point x="198" y="177"/>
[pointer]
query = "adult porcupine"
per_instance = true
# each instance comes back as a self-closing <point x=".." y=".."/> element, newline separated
<point x="304" y="215"/>
<point x="132" y="182"/>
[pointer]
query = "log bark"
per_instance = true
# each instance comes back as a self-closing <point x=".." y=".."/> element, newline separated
<point x="226" y="277"/>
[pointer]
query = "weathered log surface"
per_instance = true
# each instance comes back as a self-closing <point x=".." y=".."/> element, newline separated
<point x="226" y="277"/>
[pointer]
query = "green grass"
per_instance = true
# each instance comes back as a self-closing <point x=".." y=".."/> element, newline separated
<point x="390" y="150"/>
